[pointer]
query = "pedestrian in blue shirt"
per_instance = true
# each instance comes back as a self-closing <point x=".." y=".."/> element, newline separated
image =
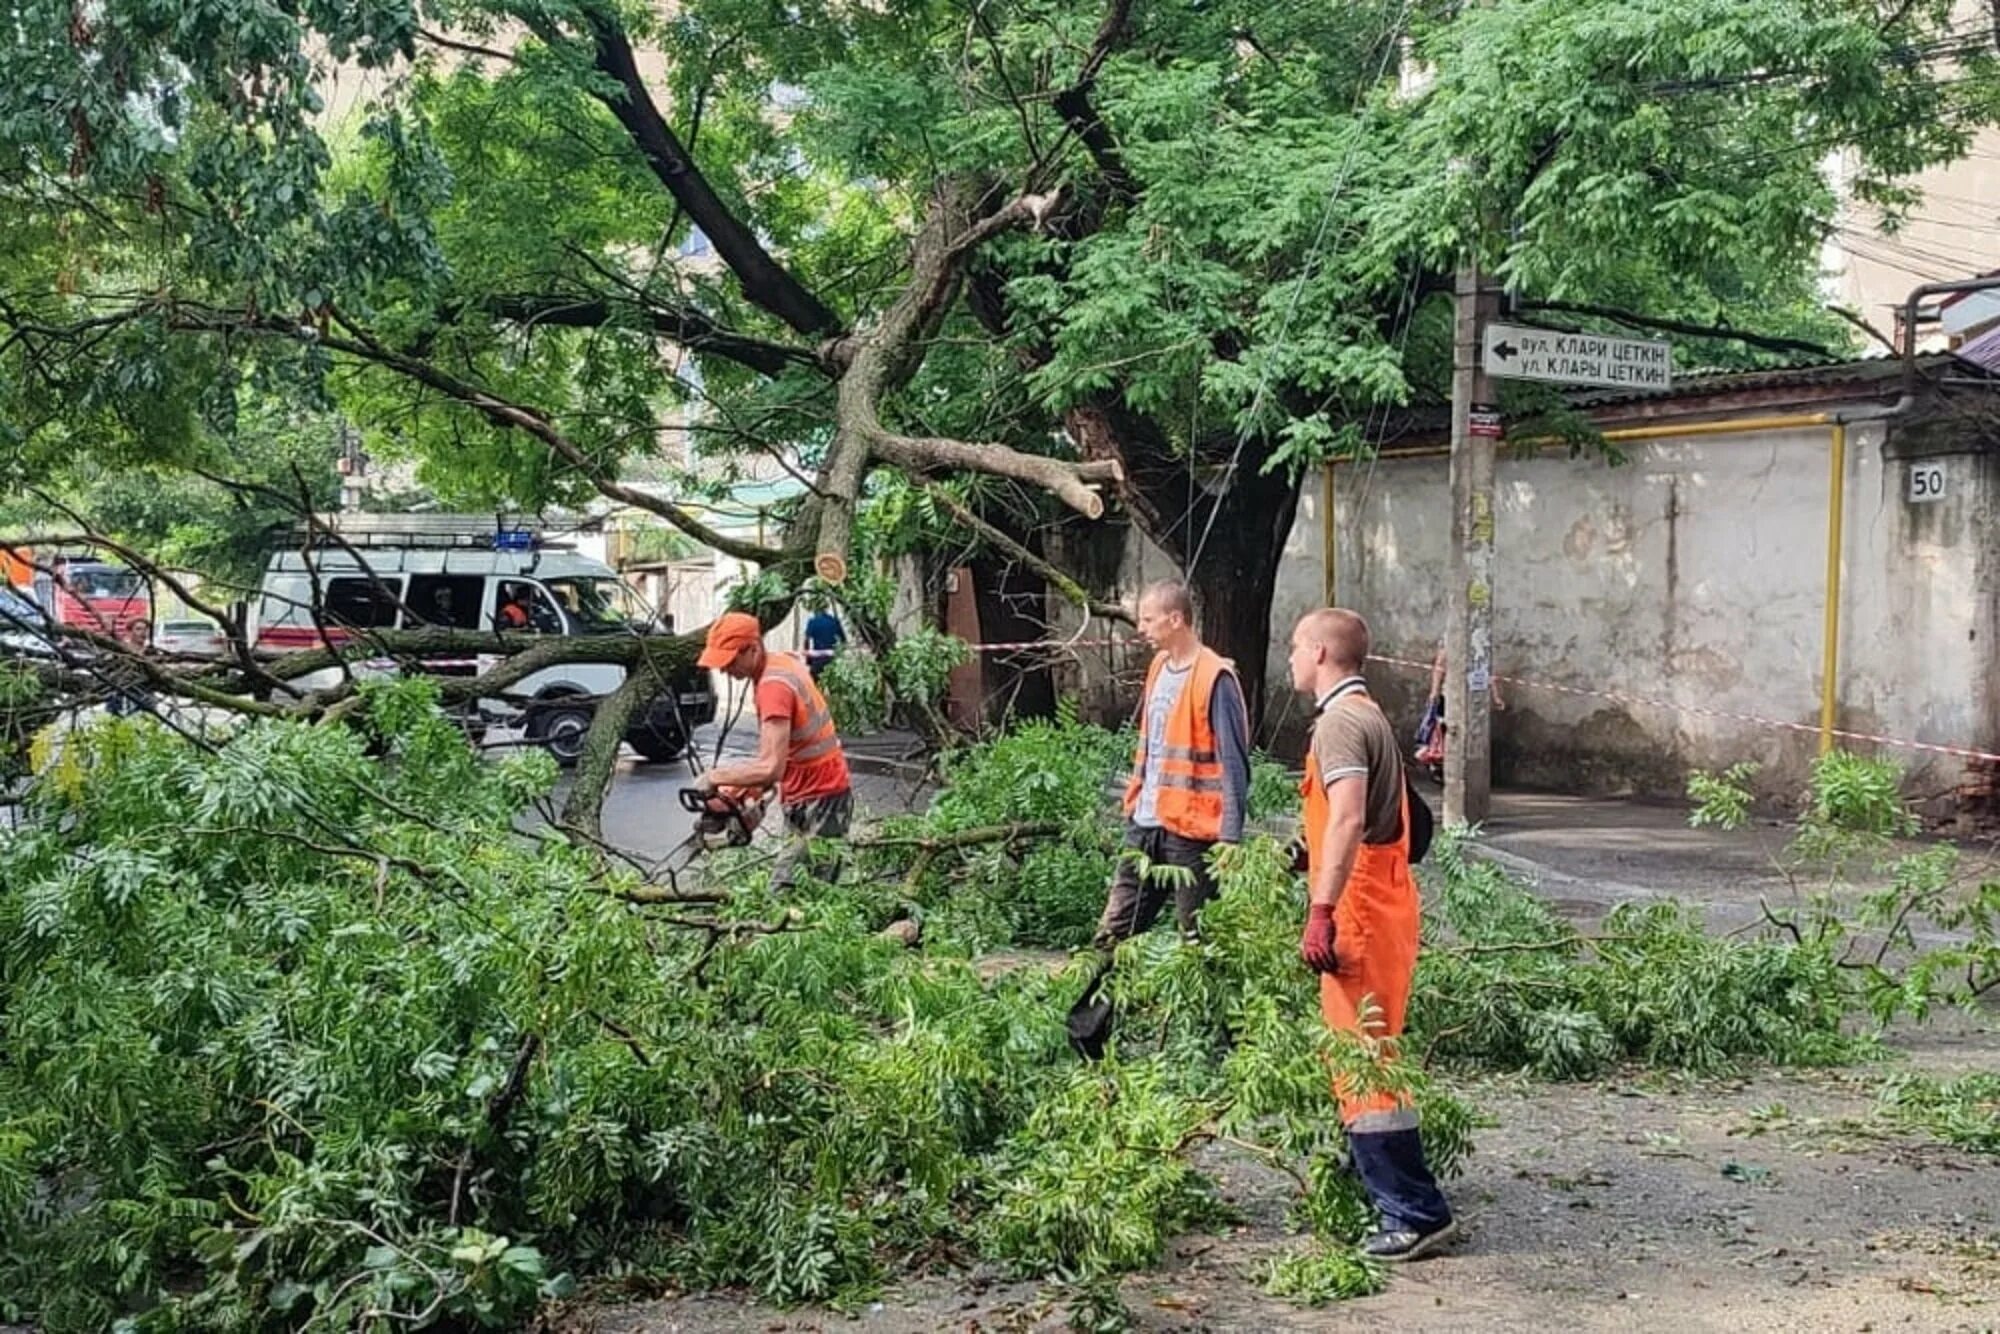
<point x="824" y="633"/>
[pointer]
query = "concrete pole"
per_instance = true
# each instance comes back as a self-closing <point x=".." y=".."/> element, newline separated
<point x="1468" y="689"/>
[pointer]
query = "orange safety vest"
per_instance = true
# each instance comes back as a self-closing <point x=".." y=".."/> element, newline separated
<point x="1191" y="776"/>
<point x="1375" y="928"/>
<point x="813" y="737"/>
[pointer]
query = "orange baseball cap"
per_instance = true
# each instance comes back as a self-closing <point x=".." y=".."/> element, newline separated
<point x="731" y="634"/>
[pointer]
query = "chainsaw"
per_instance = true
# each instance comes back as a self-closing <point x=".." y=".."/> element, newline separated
<point x="724" y="818"/>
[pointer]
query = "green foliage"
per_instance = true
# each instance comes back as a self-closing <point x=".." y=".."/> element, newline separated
<point x="767" y="590"/>
<point x="165" y="508"/>
<point x="1887" y="935"/>
<point x="25" y="709"/>
<point x="856" y="692"/>
<point x="300" y="1035"/>
<point x="863" y="690"/>
<point x="1853" y="807"/>
<point x="1273" y="790"/>
<point x="921" y="662"/>
<point x="1057" y="771"/>
<point x="490" y="219"/>
<point x="1505" y="982"/>
<point x="1963" y="1111"/>
<point x="1722" y="800"/>
<point x="1123" y="1132"/>
<point x="1314" y="1275"/>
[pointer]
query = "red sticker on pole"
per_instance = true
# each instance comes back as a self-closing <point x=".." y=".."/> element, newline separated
<point x="1484" y="421"/>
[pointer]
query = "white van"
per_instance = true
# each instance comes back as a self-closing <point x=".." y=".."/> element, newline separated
<point x="412" y="571"/>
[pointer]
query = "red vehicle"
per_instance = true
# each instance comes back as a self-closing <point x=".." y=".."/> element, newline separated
<point x="100" y="597"/>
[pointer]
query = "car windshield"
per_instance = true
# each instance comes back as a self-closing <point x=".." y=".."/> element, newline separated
<point x="597" y="604"/>
<point x="102" y="581"/>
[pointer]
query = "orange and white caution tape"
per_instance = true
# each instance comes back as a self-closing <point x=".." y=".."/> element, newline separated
<point x="1696" y="710"/>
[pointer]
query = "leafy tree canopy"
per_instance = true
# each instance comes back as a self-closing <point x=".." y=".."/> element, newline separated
<point x="1169" y="253"/>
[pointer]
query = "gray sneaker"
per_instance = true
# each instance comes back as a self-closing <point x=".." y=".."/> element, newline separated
<point x="1396" y="1245"/>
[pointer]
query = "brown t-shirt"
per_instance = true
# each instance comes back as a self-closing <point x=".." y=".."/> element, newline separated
<point x="1353" y="740"/>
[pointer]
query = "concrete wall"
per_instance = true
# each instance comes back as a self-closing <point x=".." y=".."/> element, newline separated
<point x="1693" y="575"/>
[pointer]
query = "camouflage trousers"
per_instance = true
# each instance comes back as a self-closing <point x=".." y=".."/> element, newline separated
<point x="825" y="817"/>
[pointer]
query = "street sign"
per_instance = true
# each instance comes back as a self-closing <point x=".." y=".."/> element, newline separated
<point x="1521" y="353"/>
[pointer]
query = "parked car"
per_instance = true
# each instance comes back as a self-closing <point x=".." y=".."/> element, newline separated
<point x="190" y="637"/>
<point x="24" y="627"/>
<point x="480" y="578"/>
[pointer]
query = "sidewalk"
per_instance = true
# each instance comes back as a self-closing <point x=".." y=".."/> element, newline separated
<point x="1587" y="855"/>
<point x="1590" y="854"/>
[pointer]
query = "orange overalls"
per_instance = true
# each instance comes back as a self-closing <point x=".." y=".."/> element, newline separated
<point x="1375" y="941"/>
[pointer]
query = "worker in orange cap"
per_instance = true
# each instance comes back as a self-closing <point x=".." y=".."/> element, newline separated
<point x="1362" y="917"/>
<point x="797" y="748"/>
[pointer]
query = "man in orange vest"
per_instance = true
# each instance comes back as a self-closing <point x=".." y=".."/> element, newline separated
<point x="1190" y="770"/>
<point x="797" y="748"/>
<point x="1362" y="918"/>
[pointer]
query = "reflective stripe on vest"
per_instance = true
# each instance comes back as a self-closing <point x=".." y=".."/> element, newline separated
<point x="813" y="737"/>
<point x="1192" y="780"/>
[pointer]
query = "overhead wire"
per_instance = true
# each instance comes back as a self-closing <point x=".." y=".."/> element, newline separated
<point x="1390" y="46"/>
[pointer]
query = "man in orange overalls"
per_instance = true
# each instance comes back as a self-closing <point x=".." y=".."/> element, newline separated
<point x="1361" y="925"/>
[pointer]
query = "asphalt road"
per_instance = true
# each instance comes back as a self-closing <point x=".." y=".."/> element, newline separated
<point x="643" y="815"/>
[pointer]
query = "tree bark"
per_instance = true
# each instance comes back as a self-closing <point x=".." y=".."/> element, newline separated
<point x="1236" y="580"/>
<point x="1239" y="535"/>
<point x="881" y="360"/>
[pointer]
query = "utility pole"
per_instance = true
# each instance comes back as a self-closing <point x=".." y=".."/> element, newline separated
<point x="1468" y="684"/>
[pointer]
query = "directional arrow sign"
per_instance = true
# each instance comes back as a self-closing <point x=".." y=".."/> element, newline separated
<point x="1521" y="353"/>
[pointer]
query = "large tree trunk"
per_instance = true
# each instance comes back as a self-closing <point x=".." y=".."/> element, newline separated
<point x="1227" y="538"/>
<point x="1236" y="579"/>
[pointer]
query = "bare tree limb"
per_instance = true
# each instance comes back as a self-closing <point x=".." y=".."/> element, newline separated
<point x="1080" y="117"/>
<point x="584" y="808"/>
<point x="1063" y="584"/>
<point x="765" y="281"/>
<point x="364" y="347"/>
<point x="1858" y="321"/>
<point x="1075" y="484"/>
<point x="686" y="326"/>
<point x="883" y="358"/>
<point x="443" y="42"/>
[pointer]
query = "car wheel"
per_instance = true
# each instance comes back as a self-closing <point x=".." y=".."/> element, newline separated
<point x="661" y="746"/>
<point x="560" y="728"/>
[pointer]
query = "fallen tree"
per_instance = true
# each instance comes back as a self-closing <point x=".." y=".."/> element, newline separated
<point x="300" y="1036"/>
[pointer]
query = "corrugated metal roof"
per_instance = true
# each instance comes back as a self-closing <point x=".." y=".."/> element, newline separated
<point x="1871" y="377"/>
<point x="1982" y="351"/>
<point x="1867" y="371"/>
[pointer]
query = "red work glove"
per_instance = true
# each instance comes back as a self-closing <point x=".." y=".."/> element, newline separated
<point x="1316" y="945"/>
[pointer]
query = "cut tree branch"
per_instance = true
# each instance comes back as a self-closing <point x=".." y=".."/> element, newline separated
<point x="882" y="359"/>
<point x="1070" y="589"/>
